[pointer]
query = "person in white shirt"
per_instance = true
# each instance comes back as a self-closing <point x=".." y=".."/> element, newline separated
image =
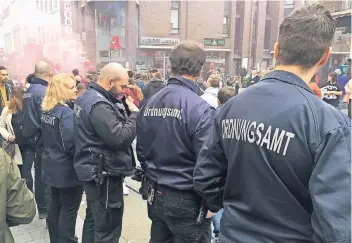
<point x="211" y="93"/>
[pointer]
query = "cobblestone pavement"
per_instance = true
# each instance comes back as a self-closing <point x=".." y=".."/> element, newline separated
<point x="136" y="224"/>
<point x="37" y="233"/>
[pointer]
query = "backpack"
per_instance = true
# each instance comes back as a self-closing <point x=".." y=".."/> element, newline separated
<point x="17" y="125"/>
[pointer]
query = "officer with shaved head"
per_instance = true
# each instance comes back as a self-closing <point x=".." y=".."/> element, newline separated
<point x="32" y="101"/>
<point x="104" y="130"/>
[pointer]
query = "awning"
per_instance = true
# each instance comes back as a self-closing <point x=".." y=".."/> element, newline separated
<point x="221" y="50"/>
<point x="155" y="47"/>
<point x="342" y="13"/>
<point x="340" y="52"/>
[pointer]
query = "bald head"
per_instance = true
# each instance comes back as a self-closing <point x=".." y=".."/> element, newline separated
<point x="42" y="70"/>
<point x="113" y="71"/>
<point x="113" y="77"/>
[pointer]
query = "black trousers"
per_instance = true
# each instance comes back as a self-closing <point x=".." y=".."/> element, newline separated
<point x="350" y="109"/>
<point x="103" y="223"/>
<point x="174" y="214"/>
<point x="26" y="170"/>
<point x="41" y="191"/>
<point x="62" y="214"/>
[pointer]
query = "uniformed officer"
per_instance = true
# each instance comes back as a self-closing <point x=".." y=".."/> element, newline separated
<point x="104" y="130"/>
<point x="58" y="172"/>
<point x="32" y="101"/>
<point x="171" y="129"/>
<point x="279" y="159"/>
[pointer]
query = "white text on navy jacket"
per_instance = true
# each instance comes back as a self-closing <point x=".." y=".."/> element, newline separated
<point x="263" y="135"/>
<point x="48" y="119"/>
<point x="163" y="112"/>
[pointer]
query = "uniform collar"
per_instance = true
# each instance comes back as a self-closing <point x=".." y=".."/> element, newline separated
<point x="40" y="81"/>
<point x="288" y="77"/>
<point x="102" y="91"/>
<point x="183" y="81"/>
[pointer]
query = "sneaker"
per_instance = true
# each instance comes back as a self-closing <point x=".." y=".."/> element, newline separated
<point x="125" y="190"/>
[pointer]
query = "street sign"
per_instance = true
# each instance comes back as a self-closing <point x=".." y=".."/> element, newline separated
<point x="214" y="42"/>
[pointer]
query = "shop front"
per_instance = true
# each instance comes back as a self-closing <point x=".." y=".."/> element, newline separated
<point x="154" y="52"/>
<point x="217" y="56"/>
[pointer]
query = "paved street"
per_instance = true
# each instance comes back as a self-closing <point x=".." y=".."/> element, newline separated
<point x="136" y="224"/>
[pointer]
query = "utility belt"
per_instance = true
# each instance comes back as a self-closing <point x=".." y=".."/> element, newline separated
<point x="109" y="186"/>
<point x="150" y="190"/>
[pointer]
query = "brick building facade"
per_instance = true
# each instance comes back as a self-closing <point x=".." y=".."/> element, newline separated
<point x="234" y="34"/>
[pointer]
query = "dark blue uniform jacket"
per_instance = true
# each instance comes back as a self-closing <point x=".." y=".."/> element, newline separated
<point x="171" y="129"/>
<point x="59" y="150"/>
<point x="102" y="127"/>
<point x="279" y="162"/>
<point x="32" y="102"/>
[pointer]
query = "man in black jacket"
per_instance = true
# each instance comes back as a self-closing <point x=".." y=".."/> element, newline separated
<point x="280" y="163"/>
<point x="172" y="127"/>
<point x="104" y="130"/>
<point x="32" y="101"/>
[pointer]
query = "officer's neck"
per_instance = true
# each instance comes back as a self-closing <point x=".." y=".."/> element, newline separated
<point x="305" y="75"/>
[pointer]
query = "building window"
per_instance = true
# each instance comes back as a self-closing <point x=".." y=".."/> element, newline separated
<point x="104" y="53"/>
<point x="175" y="17"/>
<point x="225" y="31"/>
<point x="49" y="5"/>
<point x="56" y="4"/>
<point x="226" y="19"/>
<point x="289" y="6"/>
<point x="238" y="35"/>
<point x="267" y="36"/>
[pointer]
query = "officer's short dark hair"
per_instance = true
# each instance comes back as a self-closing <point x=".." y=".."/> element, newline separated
<point x="75" y="72"/>
<point x="304" y="35"/>
<point x="225" y="94"/>
<point x="187" y="58"/>
<point x="154" y="70"/>
<point x="2" y="68"/>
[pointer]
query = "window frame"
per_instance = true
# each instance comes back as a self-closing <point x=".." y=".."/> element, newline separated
<point x="227" y="25"/>
<point x="175" y="8"/>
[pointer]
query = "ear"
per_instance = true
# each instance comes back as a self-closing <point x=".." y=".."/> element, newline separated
<point x="325" y="57"/>
<point x="276" y="50"/>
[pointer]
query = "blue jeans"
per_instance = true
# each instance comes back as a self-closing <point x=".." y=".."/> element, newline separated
<point x="216" y="221"/>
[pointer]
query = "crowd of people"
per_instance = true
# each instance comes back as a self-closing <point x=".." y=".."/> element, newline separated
<point x="272" y="164"/>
